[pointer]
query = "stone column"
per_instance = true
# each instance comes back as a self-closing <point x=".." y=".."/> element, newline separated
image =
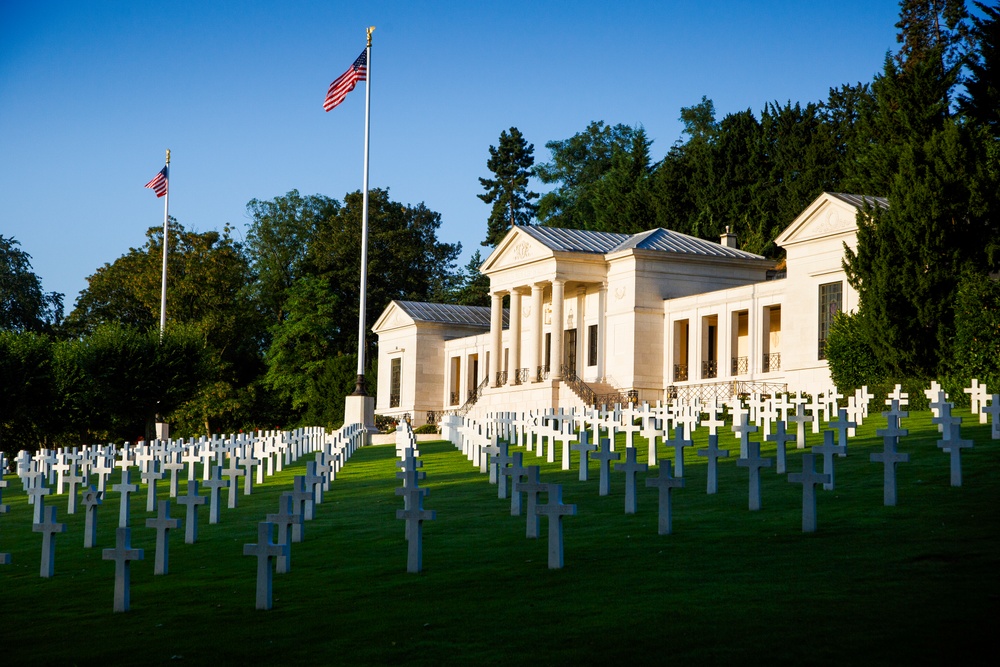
<point x="496" y="336"/>
<point x="556" y="353"/>
<point x="535" y="344"/>
<point x="515" y="337"/>
<point x="582" y="344"/>
<point x="602" y="319"/>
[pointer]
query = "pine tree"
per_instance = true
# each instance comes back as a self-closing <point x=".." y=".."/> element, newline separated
<point x="511" y="164"/>
<point x="909" y="257"/>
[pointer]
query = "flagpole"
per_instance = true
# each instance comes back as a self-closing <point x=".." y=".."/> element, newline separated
<point x="359" y="389"/>
<point x="163" y="282"/>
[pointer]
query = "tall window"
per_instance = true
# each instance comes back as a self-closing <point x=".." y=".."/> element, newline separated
<point x="592" y="345"/>
<point x="395" y="372"/>
<point x="831" y="298"/>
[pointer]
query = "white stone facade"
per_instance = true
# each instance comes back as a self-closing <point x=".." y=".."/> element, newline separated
<point x="656" y="314"/>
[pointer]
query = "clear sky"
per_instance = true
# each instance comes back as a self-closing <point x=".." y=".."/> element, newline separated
<point x="92" y="92"/>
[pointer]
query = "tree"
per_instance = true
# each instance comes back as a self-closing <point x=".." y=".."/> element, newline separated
<point x="473" y="288"/>
<point x="210" y="288"/>
<point x="133" y="375"/>
<point x="981" y="100"/>
<point x="511" y="162"/>
<point x="938" y="225"/>
<point x="26" y="389"/>
<point x="320" y="329"/>
<point x="622" y="198"/>
<point x="934" y="29"/>
<point x="578" y="163"/>
<point x="278" y="240"/>
<point x="23" y="304"/>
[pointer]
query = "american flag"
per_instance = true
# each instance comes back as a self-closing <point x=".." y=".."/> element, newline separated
<point x="345" y="83"/>
<point x="158" y="184"/>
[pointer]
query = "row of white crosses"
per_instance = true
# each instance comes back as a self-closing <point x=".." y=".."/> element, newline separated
<point x="263" y="453"/>
<point x="296" y="507"/>
<point x="560" y="428"/>
<point x="486" y="448"/>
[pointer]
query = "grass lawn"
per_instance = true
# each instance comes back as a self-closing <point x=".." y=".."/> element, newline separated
<point x="912" y="584"/>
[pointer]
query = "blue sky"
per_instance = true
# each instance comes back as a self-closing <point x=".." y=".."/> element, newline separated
<point x="93" y="92"/>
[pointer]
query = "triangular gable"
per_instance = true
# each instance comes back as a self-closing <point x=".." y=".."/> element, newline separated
<point x="393" y="317"/>
<point x="517" y="247"/>
<point x="828" y="215"/>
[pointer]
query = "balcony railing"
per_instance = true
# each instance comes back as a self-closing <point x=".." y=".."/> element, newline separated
<point x="680" y="372"/>
<point x="501" y="378"/>
<point x="454" y="398"/>
<point x="709" y="369"/>
<point x="393" y="400"/>
<point x="741" y="366"/>
<point x="542" y="373"/>
<point x="521" y="376"/>
<point x="771" y="362"/>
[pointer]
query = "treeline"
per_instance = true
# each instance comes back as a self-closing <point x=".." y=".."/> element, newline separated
<point x="924" y="134"/>
<point x="263" y="333"/>
<point x="260" y="334"/>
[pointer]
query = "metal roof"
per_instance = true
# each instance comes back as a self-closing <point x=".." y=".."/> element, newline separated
<point x="666" y="240"/>
<point x="663" y="240"/>
<point x="449" y="313"/>
<point x="574" y="240"/>
<point x="859" y="200"/>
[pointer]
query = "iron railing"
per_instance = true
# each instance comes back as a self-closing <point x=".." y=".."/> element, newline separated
<point x="473" y="397"/>
<point x="521" y="376"/>
<point x="393" y="400"/>
<point x="741" y="366"/>
<point x="723" y="390"/>
<point x="542" y="373"/>
<point x="709" y="369"/>
<point x="454" y="398"/>
<point x="771" y="362"/>
<point x="501" y="378"/>
<point x="578" y="386"/>
<point x="680" y="372"/>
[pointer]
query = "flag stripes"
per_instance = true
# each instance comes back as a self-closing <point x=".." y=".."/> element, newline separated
<point x="158" y="183"/>
<point x="345" y="83"/>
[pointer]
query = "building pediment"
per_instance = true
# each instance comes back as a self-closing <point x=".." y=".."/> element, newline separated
<point x="516" y="248"/>
<point x="393" y="317"/>
<point x="828" y="215"/>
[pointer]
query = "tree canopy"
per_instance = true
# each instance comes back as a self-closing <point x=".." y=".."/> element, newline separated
<point x="511" y="163"/>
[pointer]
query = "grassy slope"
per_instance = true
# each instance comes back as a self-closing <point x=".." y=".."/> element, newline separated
<point x="874" y="584"/>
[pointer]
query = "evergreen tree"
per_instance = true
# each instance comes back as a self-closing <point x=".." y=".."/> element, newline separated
<point x="981" y="100"/>
<point x="577" y="165"/>
<point x="622" y="198"/>
<point x="511" y="163"/>
<point x="473" y="287"/>
<point x="909" y="257"/>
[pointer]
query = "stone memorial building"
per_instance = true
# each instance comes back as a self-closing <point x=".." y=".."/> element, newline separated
<point x="581" y="317"/>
